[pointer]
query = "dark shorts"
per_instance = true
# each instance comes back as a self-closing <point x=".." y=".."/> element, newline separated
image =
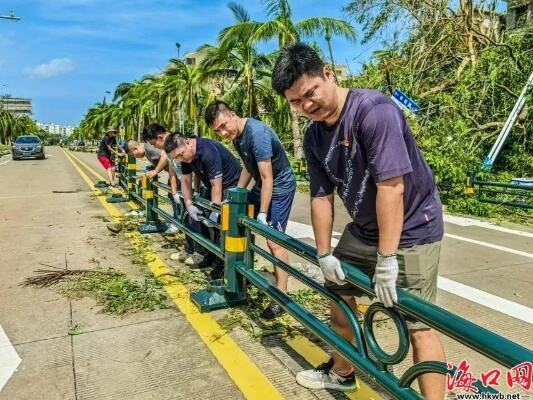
<point x="280" y="207"/>
<point x="418" y="269"/>
<point x="106" y="162"/>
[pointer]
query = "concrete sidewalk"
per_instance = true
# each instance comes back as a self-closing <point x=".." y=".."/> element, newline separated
<point x="49" y="218"/>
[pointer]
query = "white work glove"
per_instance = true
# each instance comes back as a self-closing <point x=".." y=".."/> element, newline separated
<point x="262" y="217"/>
<point x="331" y="268"/>
<point x="385" y="279"/>
<point x="194" y="212"/>
<point x="176" y="198"/>
<point x="214" y="217"/>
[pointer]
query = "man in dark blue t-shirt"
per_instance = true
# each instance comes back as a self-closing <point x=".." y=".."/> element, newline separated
<point x="265" y="161"/>
<point x="360" y="145"/>
<point x="217" y="169"/>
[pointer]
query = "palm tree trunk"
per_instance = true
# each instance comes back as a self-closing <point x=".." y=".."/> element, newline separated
<point x="328" y="39"/>
<point x="139" y="126"/>
<point x="296" y="136"/>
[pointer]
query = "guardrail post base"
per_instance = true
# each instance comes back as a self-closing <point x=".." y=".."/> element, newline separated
<point x="100" y="184"/>
<point x="152" y="228"/>
<point x="229" y="291"/>
<point x="215" y="297"/>
<point x="117" y="198"/>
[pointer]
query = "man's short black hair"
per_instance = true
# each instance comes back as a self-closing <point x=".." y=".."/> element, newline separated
<point x="151" y="131"/>
<point x="213" y="110"/>
<point x="173" y="141"/>
<point x="293" y="62"/>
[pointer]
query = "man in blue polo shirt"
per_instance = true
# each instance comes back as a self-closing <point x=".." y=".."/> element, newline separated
<point x="218" y="170"/>
<point x="266" y="162"/>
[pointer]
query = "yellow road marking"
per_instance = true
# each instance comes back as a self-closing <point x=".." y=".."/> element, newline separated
<point x="248" y="378"/>
<point x="97" y="176"/>
<point x="314" y="355"/>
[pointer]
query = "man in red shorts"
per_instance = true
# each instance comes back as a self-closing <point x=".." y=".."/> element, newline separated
<point x="107" y="148"/>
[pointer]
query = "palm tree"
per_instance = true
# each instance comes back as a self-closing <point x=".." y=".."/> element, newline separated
<point x="12" y="125"/>
<point x="193" y="91"/>
<point x="236" y="62"/>
<point x="282" y="26"/>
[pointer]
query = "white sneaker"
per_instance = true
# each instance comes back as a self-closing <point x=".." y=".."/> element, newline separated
<point x="322" y="377"/>
<point x="181" y="256"/>
<point x="171" y="229"/>
<point x="194" y="259"/>
<point x="132" y="213"/>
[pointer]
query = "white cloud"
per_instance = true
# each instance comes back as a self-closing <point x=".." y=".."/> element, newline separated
<point x="55" y="67"/>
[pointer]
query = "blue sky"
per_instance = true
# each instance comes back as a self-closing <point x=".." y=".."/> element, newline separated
<point x="65" y="54"/>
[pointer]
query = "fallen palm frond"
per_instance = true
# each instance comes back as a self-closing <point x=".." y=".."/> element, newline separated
<point x="49" y="277"/>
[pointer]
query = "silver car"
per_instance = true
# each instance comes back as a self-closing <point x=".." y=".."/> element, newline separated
<point x="27" y="146"/>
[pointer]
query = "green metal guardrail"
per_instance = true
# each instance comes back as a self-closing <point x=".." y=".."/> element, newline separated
<point x="505" y="194"/>
<point x="237" y="248"/>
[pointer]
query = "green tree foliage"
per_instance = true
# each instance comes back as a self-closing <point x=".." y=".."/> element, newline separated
<point x="466" y="76"/>
<point x="13" y="125"/>
<point x="232" y="69"/>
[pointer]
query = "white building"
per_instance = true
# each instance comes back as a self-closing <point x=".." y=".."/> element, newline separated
<point x="15" y="105"/>
<point x="53" y="128"/>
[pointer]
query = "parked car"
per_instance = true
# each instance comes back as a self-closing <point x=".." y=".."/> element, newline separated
<point x="27" y="146"/>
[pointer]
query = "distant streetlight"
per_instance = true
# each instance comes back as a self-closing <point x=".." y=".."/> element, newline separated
<point x="10" y="16"/>
<point x="178" y="46"/>
<point x="108" y="92"/>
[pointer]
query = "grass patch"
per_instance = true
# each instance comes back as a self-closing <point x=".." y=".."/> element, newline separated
<point x="248" y="318"/>
<point x="4" y="149"/>
<point x="115" y="292"/>
<point x="193" y="280"/>
<point x="302" y="187"/>
<point x="111" y="289"/>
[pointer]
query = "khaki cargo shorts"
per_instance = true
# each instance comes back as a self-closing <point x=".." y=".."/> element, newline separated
<point x="418" y="269"/>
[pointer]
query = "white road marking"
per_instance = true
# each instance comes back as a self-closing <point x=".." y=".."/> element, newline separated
<point x="496" y="303"/>
<point x="303" y="231"/>
<point x="490" y="245"/>
<point x="515" y="310"/>
<point x="460" y="221"/>
<point x="9" y="359"/>
<point x="5" y="162"/>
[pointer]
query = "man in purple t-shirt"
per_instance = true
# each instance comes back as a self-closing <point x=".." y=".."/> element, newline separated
<point x="360" y="145"/>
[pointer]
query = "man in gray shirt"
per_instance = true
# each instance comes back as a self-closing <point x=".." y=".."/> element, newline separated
<point x="265" y="160"/>
<point x="140" y="150"/>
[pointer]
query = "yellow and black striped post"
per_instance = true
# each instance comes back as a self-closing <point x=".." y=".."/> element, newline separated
<point x="234" y="237"/>
<point x="469" y="183"/>
<point x="122" y="176"/>
<point x="152" y="224"/>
